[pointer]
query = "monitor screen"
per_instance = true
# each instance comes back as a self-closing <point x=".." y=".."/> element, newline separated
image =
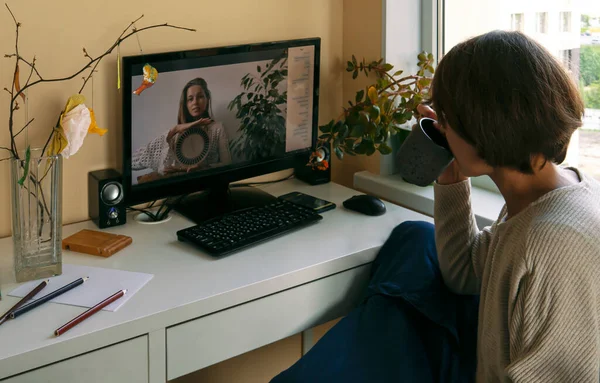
<point x="216" y="113"/>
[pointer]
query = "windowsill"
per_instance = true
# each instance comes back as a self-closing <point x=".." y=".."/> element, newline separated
<point x="486" y="204"/>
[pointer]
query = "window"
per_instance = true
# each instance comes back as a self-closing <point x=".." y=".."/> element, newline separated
<point x="565" y="58"/>
<point x="573" y="44"/>
<point x="516" y="22"/>
<point x="541" y="25"/>
<point x="565" y="22"/>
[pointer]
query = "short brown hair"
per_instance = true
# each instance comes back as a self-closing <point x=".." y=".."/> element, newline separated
<point x="506" y="95"/>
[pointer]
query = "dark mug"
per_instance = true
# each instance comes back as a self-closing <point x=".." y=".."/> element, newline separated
<point x="424" y="154"/>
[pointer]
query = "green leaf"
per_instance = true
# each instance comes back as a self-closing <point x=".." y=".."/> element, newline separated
<point x="26" y="167"/>
<point x="370" y="148"/>
<point x="327" y="128"/>
<point x="364" y="117"/>
<point x="384" y="149"/>
<point x="337" y="127"/>
<point x="388" y="67"/>
<point x="355" y="74"/>
<point x="354" y="60"/>
<point x="374" y="112"/>
<point x="357" y="131"/>
<point x="365" y="147"/>
<point x="344" y="131"/>
<point x="339" y="153"/>
<point x="422" y="57"/>
<point x="373" y="129"/>
<point x="359" y="95"/>
<point x="430" y="69"/>
<point x="430" y="56"/>
<point x="325" y="136"/>
<point x="350" y="67"/>
<point x="258" y="68"/>
<point x="397" y="73"/>
<point x="424" y="81"/>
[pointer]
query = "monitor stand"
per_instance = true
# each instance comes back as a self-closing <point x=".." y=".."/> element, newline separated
<point x="219" y="200"/>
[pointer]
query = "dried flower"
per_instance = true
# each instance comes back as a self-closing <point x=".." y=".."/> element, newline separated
<point x="75" y="122"/>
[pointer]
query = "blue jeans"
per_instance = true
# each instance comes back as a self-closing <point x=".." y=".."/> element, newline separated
<point x="409" y="328"/>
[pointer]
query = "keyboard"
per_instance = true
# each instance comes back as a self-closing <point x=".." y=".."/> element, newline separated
<point x="243" y="228"/>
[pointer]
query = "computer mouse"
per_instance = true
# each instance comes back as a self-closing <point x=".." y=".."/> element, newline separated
<point x="365" y="204"/>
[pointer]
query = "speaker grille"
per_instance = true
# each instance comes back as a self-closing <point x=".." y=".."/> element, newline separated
<point x="112" y="193"/>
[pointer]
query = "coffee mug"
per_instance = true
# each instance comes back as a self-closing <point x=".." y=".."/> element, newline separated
<point x="424" y="154"/>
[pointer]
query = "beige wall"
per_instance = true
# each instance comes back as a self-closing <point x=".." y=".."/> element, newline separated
<point x="362" y="37"/>
<point x="55" y="32"/>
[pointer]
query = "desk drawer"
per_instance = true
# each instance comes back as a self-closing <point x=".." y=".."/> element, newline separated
<point x="202" y="342"/>
<point x="123" y="362"/>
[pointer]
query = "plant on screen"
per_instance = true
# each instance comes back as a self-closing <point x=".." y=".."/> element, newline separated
<point x="261" y="111"/>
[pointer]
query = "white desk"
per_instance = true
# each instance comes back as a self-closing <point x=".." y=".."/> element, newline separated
<point x="198" y="310"/>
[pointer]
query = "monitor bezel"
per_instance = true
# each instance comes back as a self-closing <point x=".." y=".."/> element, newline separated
<point x="201" y="181"/>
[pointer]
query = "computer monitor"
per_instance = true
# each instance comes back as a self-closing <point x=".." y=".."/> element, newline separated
<point x="214" y="116"/>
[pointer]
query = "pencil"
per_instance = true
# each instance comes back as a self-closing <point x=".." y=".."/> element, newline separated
<point x="27" y="297"/>
<point x="25" y="308"/>
<point x="81" y="317"/>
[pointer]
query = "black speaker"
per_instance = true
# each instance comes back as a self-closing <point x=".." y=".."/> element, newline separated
<point x="315" y="169"/>
<point x="105" y="198"/>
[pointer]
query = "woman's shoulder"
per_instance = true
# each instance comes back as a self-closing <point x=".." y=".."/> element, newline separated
<point x="217" y="125"/>
<point x="566" y="225"/>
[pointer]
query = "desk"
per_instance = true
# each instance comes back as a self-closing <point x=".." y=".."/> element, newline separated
<point x="198" y="310"/>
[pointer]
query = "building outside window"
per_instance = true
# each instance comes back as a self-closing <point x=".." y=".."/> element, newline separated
<point x="517" y="22"/>
<point x="565" y="21"/>
<point x="568" y="28"/>
<point x="541" y="25"/>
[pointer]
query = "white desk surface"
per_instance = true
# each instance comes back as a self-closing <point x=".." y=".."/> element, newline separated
<point x="188" y="283"/>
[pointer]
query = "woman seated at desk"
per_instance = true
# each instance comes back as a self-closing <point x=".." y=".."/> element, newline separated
<point x="516" y="301"/>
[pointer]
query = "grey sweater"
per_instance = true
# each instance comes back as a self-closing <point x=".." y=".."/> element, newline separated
<point x="538" y="276"/>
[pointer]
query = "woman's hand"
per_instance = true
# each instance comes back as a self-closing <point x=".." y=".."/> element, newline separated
<point x="183" y="127"/>
<point x="451" y="174"/>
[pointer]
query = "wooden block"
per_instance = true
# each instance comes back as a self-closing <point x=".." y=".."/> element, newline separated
<point x="96" y="242"/>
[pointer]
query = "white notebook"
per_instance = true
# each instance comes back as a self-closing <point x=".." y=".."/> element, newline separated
<point x="102" y="283"/>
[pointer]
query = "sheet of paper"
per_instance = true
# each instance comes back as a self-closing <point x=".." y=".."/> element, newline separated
<point x="102" y="283"/>
<point x="300" y="98"/>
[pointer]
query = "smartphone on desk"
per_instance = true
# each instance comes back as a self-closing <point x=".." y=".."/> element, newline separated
<point x="317" y="204"/>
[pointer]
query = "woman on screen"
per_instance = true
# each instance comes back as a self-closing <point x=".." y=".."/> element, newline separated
<point x="194" y="110"/>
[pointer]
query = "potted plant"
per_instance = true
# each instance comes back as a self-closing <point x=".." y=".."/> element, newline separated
<point x="379" y="111"/>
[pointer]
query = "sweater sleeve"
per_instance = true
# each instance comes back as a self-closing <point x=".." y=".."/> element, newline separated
<point x="222" y="147"/>
<point x="460" y="245"/>
<point x="554" y="326"/>
<point x="224" y="154"/>
<point x="151" y="155"/>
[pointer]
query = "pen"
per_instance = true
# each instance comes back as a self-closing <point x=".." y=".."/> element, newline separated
<point x="23" y="309"/>
<point x="27" y="297"/>
<point x="81" y="317"/>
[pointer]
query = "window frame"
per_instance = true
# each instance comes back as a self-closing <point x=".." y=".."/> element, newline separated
<point x="432" y="40"/>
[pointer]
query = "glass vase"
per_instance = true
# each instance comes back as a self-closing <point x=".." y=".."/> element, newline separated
<point x="37" y="215"/>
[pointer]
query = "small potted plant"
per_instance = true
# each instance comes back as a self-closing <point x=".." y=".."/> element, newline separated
<point x="379" y="111"/>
